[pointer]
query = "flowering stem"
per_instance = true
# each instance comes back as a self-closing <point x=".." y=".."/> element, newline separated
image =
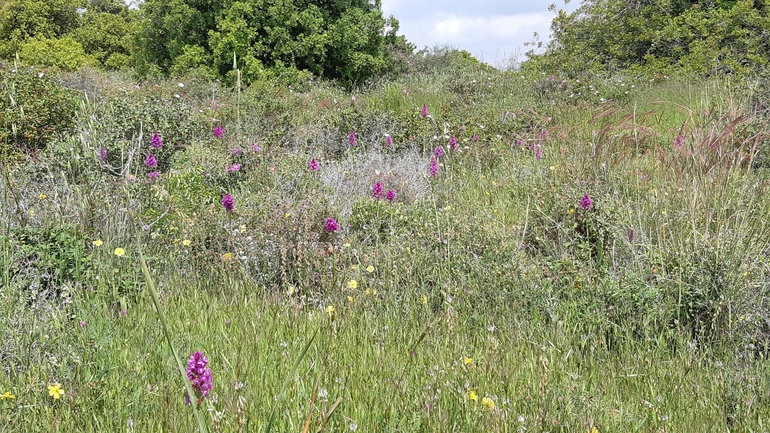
<point x="188" y="386"/>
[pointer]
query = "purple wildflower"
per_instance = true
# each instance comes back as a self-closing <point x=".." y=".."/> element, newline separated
<point x="153" y="176"/>
<point x="352" y="138"/>
<point x="228" y="202"/>
<point x="389" y="140"/>
<point x="235" y="151"/>
<point x="313" y="165"/>
<point x="679" y="140"/>
<point x="586" y="203"/>
<point x="475" y="138"/>
<point x="156" y="142"/>
<point x="424" y="111"/>
<point x="218" y="131"/>
<point x="538" y="151"/>
<point x="331" y="225"/>
<point x="438" y="151"/>
<point x="103" y="154"/>
<point x="543" y="134"/>
<point x="434" y="166"/>
<point x="255" y="148"/>
<point x="199" y="376"/>
<point x="233" y="168"/>
<point x="390" y="195"/>
<point x="151" y="161"/>
<point x="462" y="128"/>
<point x="377" y="190"/>
<point x="452" y="143"/>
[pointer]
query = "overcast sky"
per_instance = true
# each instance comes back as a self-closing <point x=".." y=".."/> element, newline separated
<point x="492" y="30"/>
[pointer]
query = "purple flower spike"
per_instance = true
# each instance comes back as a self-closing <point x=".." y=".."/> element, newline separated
<point x="233" y="168"/>
<point x="255" y="148"/>
<point x="452" y="143"/>
<point x="218" y="131"/>
<point x="679" y="140"/>
<point x="438" y="151"/>
<point x="153" y="176"/>
<point x="475" y="138"/>
<point x="200" y="376"/>
<point x="390" y="195"/>
<point x="352" y="139"/>
<point x="586" y="203"/>
<point x="235" y="151"/>
<point x="156" y="142"/>
<point x="389" y="140"/>
<point x="331" y="225"/>
<point x="424" y="111"/>
<point x="313" y="165"/>
<point x="151" y="161"/>
<point x="377" y="190"/>
<point x="103" y="154"/>
<point x="228" y="202"/>
<point x="434" y="170"/>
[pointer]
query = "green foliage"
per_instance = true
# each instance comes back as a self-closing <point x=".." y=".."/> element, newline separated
<point x="105" y="32"/>
<point x="21" y="20"/>
<point x="45" y="259"/>
<point x="345" y="40"/>
<point x="658" y="37"/>
<point x="33" y="108"/>
<point x="64" y="53"/>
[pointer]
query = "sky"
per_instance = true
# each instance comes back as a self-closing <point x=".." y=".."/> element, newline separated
<point x="494" y="31"/>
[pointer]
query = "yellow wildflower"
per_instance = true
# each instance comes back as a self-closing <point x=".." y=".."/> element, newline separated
<point x="7" y="396"/>
<point x="227" y="256"/>
<point x="370" y="292"/>
<point x="352" y="284"/>
<point x="424" y="299"/>
<point x="55" y="391"/>
<point x="370" y="269"/>
<point x="488" y="403"/>
<point x="571" y="211"/>
<point x="290" y="291"/>
<point x="473" y="396"/>
<point x="593" y="430"/>
<point x="354" y="267"/>
<point x="186" y="242"/>
<point x="467" y="360"/>
<point x="351" y="299"/>
<point x="120" y="252"/>
<point x="330" y="311"/>
<point x="97" y="243"/>
<point x="42" y="197"/>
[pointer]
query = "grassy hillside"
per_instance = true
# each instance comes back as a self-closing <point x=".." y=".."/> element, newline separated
<point x="586" y="255"/>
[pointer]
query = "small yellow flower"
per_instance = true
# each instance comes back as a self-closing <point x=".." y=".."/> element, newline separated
<point x="571" y="211"/>
<point x="488" y="403"/>
<point x="473" y="396"/>
<point x="290" y="291"/>
<point x="97" y="243"/>
<point x="351" y="299"/>
<point x="467" y="361"/>
<point x="227" y="256"/>
<point x="424" y="299"/>
<point x="352" y="284"/>
<point x="55" y="391"/>
<point x="593" y="430"/>
<point x="120" y="252"/>
<point x="7" y="396"/>
<point x="330" y="311"/>
<point x="32" y="212"/>
<point x="242" y="228"/>
<point x="354" y="267"/>
<point x="370" y="291"/>
<point x="186" y="242"/>
<point x="42" y="196"/>
<point x="370" y="269"/>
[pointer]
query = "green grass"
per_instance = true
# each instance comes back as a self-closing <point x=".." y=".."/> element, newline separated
<point x="644" y="313"/>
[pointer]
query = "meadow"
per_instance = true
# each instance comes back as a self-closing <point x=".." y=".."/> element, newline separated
<point x="452" y="249"/>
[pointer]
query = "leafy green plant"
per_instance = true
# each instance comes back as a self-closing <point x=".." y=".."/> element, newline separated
<point x="34" y="109"/>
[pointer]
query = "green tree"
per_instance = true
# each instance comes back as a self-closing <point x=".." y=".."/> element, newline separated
<point x="659" y="36"/>
<point x="21" y="20"/>
<point x="346" y="40"/>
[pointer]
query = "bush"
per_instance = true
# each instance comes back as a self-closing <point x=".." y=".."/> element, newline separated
<point x="33" y="109"/>
<point x="65" y="53"/>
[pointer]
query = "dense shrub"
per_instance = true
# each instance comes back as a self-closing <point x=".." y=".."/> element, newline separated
<point x="33" y="108"/>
